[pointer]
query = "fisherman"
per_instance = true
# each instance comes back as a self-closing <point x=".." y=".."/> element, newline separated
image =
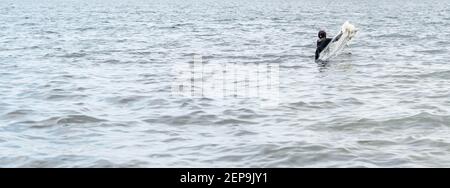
<point x="322" y="42"/>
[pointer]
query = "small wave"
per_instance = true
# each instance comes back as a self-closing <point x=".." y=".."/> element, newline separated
<point x="28" y="24"/>
<point x="427" y="142"/>
<point x="231" y="121"/>
<point x="85" y="28"/>
<point x="160" y="155"/>
<point x="293" y="66"/>
<point x="144" y="53"/>
<point x="439" y="75"/>
<point x="64" y="97"/>
<point x="74" y="55"/>
<point x="65" y="120"/>
<point x="78" y="119"/>
<point x="299" y="104"/>
<point x="376" y="142"/>
<point x="194" y="118"/>
<point x="315" y="105"/>
<point x="422" y="120"/>
<point x="105" y="163"/>
<point x="394" y="35"/>
<point x="50" y="32"/>
<point x="157" y="102"/>
<point x="353" y="101"/>
<point x="400" y="76"/>
<point x="18" y="113"/>
<point x="169" y="140"/>
<point x="15" y="160"/>
<point x="72" y="161"/>
<point x="111" y="61"/>
<point x="432" y="51"/>
<point x="425" y="118"/>
<point x="224" y="20"/>
<point x="244" y="133"/>
<point x="126" y="100"/>
<point x="240" y="111"/>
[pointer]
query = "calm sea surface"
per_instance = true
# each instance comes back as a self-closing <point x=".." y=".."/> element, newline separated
<point x="93" y="83"/>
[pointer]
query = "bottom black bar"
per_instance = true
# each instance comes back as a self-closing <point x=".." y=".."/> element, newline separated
<point x="212" y="177"/>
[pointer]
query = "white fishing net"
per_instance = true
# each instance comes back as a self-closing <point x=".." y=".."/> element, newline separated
<point x="337" y="45"/>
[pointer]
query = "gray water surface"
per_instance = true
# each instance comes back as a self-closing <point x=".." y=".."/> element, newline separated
<point x="88" y="83"/>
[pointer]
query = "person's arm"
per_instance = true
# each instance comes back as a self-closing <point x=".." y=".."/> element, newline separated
<point x="317" y="53"/>
<point x="318" y="49"/>
<point x="338" y="37"/>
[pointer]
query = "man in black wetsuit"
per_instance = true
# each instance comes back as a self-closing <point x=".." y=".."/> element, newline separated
<point x="322" y="42"/>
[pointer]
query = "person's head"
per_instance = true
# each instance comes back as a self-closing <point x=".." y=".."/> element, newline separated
<point x="322" y="34"/>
